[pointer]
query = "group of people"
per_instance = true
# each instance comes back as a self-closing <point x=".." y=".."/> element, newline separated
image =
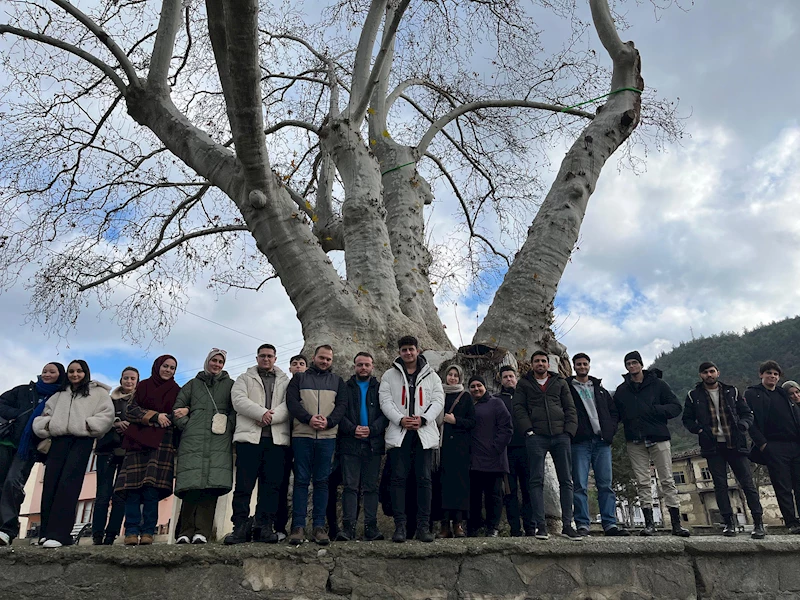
<point x="455" y="453"/>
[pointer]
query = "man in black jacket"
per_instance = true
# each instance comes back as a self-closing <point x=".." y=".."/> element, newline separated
<point x="591" y="447"/>
<point x="720" y="417"/>
<point x="645" y="403"/>
<point x="776" y="435"/>
<point x="519" y="472"/>
<point x="361" y="446"/>
<point x="544" y="409"/>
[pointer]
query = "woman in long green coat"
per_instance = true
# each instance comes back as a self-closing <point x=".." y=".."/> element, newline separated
<point x="204" y="414"/>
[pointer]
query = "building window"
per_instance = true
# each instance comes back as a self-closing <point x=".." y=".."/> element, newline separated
<point x="705" y="474"/>
<point x="679" y="477"/>
<point x="91" y="467"/>
<point x="84" y="512"/>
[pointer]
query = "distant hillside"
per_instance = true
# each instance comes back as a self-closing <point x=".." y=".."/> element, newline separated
<point x="737" y="356"/>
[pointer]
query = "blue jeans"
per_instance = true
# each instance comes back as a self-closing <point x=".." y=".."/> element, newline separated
<point x="594" y="453"/>
<point x="312" y="461"/>
<point x="141" y="511"/>
<point x="559" y="448"/>
<point x="107" y="469"/>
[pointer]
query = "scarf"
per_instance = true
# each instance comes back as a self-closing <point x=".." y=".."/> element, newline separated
<point x="156" y="394"/>
<point x="214" y="352"/>
<point x="26" y="448"/>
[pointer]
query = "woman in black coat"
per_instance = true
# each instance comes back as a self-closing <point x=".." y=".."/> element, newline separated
<point x="459" y="420"/>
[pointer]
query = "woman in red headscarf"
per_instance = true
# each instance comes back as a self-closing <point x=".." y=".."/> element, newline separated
<point x="148" y="470"/>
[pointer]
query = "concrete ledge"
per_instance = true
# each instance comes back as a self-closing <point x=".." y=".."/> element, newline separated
<point x="503" y="568"/>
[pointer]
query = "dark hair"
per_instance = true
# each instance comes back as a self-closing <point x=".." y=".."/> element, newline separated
<point x="581" y="355"/>
<point x="134" y="369"/>
<point x="706" y="365"/>
<point x="505" y="368"/>
<point x="83" y="386"/>
<point x="268" y="347"/>
<point x="770" y="365"/>
<point x="323" y="346"/>
<point x="298" y="357"/>
<point x="367" y="354"/>
<point x="540" y="353"/>
<point x="407" y="340"/>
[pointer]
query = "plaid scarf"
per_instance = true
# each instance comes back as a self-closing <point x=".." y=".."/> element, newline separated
<point x="725" y="429"/>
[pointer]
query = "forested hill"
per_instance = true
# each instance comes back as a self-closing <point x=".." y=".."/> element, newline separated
<point x="737" y="356"/>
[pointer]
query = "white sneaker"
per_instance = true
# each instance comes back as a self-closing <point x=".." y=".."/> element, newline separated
<point x="5" y="539"/>
<point x="281" y="536"/>
<point x="52" y="544"/>
<point x="184" y="539"/>
<point x="199" y="539"/>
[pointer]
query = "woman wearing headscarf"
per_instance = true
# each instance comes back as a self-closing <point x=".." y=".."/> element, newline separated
<point x="19" y="406"/>
<point x="459" y="420"/>
<point x="109" y="453"/>
<point x="148" y="469"/>
<point x="72" y="418"/>
<point x="205" y="416"/>
<point x="793" y="389"/>
<point x="489" y="462"/>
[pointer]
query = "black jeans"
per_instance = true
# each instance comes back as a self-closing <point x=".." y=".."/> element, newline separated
<point x="485" y="488"/>
<point x="360" y="472"/>
<point x="410" y="455"/>
<point x="740" y="465"/>
<point x="107" y="468"/>
<point x="518" y="477"/>
<point x="282" y="516"/>
<point x="13" y="493"/>
<point x="783" y="464"/>
<point x="560" y="448"/>
<point x="63" y="479"/>
<point x="261" y="463"/>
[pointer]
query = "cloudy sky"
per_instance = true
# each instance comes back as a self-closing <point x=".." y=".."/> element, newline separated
<point x="705" y="240"/>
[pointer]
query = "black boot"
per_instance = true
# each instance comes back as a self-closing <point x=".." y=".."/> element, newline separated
<point x="372" y="533"/>
<point x="649" y="524"/>
<point x="347" y="533"/>
<point x="758" y="528"/>
<point x="675" y="518"/>
<point x="241" y="533"/>
<point x="730" y="527"/>
<point x="399" y="533"/>
<point x="267" y="533"/>
<point x="97" y="539"/>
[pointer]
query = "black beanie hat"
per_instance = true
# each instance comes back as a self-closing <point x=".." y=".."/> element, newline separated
<point x="633" y="356"/>
<point x="477" y="378"/>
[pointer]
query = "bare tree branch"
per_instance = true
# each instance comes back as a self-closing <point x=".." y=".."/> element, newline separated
<point x="168" y="25"/>
<point x="291" y="123"/>
<point x="366" y="42"/>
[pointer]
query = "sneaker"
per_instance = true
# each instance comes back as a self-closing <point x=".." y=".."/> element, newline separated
<point x="372" y="533"/>
<point x="41" y="542"/>
<point x="424" y="534"/>
<point x="583" y="531"/>
<point x="184" y="539"/>
<point x="347" y="533"/>
<point x="399" y="533"/>
<point x="97" y="540"/>
<point x="199" y="538"/>
<point x="492" y="533"/>
<point x="146" y="539"/>
<point x="569" y="532"/>
<point x="297" y="536"/>
<point x="794" y="529"/>
<point x="281" y="535"/>
<point x="530" y="532"/>
<point x="52" y="544"/>
<point x="321" y="536"/>
<point x="616" y="531"/>
<point x="133" y="540"/>
<point x="5" y="539"/>
<point x="541" y="532"/>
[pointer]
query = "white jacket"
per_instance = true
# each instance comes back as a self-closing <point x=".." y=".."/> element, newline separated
<point x="428" y="401"/>
<point x="81" y="416"/>
<point x="248" y="396"/>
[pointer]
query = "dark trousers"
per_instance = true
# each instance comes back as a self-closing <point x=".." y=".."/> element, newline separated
<point x="740" y="465"/>
<point x="141" y="511"/>
<point x="518" y="478"/>
<point x="411" y="455"/>
<point x="485" y="489"/>
<point x="282" y="516"/>
<point x="17" y="471"/>
<point x="559" y="447"/>
<point x="261" y="463"/>
<point x="7" y="454"/>
<point x="107" y="468"/>
<point x="63" y="479"/>
<point x="197" y="513"/>
<point x="783" y="464"/>
<point x="360" y="472"/>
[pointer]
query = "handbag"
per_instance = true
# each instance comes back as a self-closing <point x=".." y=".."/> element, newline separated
<point x="219" y="422"/>
<point x="7" y="425"/>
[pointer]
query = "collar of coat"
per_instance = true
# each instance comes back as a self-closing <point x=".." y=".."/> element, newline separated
<point x="354" y="381"/>
<point x="423" y="368"/>
<point x="594" y="380"/>
<point x="650" y="376"/>
<point x="551" y="377"/>
<point x="253" y="372"/>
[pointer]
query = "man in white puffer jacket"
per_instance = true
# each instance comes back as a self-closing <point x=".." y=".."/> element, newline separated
<point x="262" y="438"/>
<point x="411" y="397"/>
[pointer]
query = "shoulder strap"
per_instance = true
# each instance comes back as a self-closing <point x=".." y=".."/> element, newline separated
<point x="210" y="395"/>
<point x="457" y="400"/>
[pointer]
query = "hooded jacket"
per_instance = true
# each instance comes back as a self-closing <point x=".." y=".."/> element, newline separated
<point x="81" y="416"/>
<point x="112" y="439"/>
<point x="395" y="396"/>
<point x="697" y="416"/>
<point x="773" y="421"/>
<point x="548" y="412"/>
<point x="606" y="412"/>
<point x="348" y="442"/>
<point x="507" y="396"/>
<point x="248" y="398"/>
<point x="316" y="392"/>
<point x="15" y="402"/>
<point x="644" y="412"/>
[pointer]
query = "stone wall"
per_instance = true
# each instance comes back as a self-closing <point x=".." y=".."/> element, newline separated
<point x="475" y="569"/>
